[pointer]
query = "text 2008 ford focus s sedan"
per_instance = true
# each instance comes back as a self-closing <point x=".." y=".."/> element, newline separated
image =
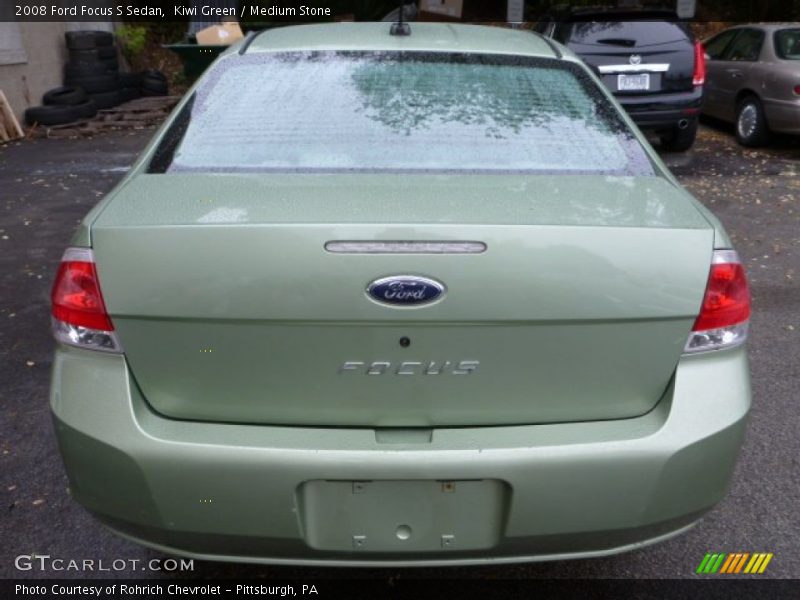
<point x="383" y="299"/>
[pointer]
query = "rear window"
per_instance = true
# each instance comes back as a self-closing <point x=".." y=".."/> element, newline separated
<point x="431" y="112"/>
<point x="787" y="44"/>
<point x="627" y="33"/>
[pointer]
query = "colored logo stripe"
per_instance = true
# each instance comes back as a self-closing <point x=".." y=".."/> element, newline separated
<point x="758" y="563"/>
<point x="710" y="563"/>
<point x="734" y="562"/>
<point x="740" y="564"/>
<point x="732" y="558"/>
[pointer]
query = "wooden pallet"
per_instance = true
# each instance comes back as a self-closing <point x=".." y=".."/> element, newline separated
<point x="136" y="114"/>
<point x="9" y="126"/>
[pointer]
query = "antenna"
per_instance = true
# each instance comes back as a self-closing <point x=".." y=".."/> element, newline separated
<point x="400" y="27"/>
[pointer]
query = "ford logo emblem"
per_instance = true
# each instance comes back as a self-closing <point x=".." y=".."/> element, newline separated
<point x="405" y="290"/>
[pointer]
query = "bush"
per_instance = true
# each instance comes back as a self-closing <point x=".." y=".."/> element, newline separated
<point x="133" y="39"/>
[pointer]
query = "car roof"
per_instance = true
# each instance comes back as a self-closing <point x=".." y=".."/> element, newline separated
<point x="772" y="26"/>
<point x="431" y="37"/>
<point x="601" y="13"/>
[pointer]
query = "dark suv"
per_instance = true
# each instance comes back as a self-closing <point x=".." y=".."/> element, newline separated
<point x="648" y="59"/>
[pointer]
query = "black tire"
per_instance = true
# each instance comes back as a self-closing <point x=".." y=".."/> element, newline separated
<point x="130" y="80"/>
<point x="85" y="110"/>
<point x="79" y="70"/>
<point x="107" y="52"/>
<point x="752" y="129"/>
<point x="129" y="93"/>
<point x="154" y="83"/>
<point x="107" y="99"/>
<point x="103" y="38"/>
<point x="111" y="64"/>
<point x="99" y="84"/>
<point x="80" y="40"/>
<point x="64" y="96"/>
<point x="154" y="88"/>
<point x="50" y="115"/>
<point x="80" y="56"/>
<point x="153" y="75"/>
<point x="680" y="140"/>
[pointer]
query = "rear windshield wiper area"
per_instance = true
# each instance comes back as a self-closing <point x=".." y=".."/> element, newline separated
<point x="627" y="42"/>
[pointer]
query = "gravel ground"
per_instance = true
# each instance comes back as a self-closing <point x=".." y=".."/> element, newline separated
<point x="46" y="186"/>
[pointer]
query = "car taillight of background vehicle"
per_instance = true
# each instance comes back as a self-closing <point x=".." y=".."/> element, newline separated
<point x="79" y="314"/>
<point x="699" y="77"/>
<point x="725" y="312"/>
<point x="797" y="90"/>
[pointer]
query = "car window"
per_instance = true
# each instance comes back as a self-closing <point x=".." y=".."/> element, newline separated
<point x="716" y="46"/>
<point x="787" y="44"/>
<point x="627" y="33"/>
<point x="392" y="111"/>
<point x="747" y="46"/>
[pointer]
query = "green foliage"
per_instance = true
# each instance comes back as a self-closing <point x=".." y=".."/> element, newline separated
<point x="132" y="38"/>
<point x="167" y="32"/>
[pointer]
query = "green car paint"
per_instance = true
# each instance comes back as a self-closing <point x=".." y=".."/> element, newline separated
<point x="541" y="409"/>
<point x="295" y="311"/>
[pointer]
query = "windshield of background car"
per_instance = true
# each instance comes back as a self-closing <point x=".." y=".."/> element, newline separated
<point x="787" y="44"/>
<point x="400" y="111"/>
<point x="627" y="33"/>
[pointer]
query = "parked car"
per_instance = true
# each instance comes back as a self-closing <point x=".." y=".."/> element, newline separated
<point x="647" y="58"/>
<point x="371" y="299"/>
<point x="754" y="80"/>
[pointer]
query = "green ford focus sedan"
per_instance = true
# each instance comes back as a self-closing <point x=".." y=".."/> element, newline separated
<point x="399" y="299"/>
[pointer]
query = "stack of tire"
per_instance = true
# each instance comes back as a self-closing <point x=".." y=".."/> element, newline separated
<point x="94" y="66"/>
<point x="93" y="82"/>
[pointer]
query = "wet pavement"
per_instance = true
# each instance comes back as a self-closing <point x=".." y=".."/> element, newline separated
<point x="46" y="186"/>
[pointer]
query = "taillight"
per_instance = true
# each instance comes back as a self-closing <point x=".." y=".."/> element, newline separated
<point x="797" y="90"/>
<point x="699" y="77"/>
<point x="78" y="312"/>
<point x="725" y="312"/>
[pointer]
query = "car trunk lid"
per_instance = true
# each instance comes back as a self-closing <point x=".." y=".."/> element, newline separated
<point x="230" y="308"/>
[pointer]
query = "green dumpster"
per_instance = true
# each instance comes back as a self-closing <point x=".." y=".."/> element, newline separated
<point x="195" y="57"/>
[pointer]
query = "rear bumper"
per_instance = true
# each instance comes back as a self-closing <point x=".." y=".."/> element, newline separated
<point x="659" y="111"/>
<point x="233" y="492"/>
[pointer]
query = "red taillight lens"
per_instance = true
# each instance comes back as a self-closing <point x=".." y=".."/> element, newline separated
<point x="797" y="90"/>
<point x="699" y="64"/>
<point x="723" y="322"/>
<point x="76" y="296"/>
<point x="727" y="299"/>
